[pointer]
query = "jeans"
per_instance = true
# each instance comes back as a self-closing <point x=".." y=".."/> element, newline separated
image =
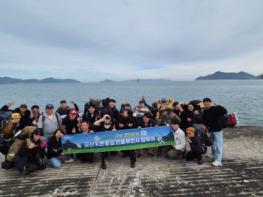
<point x="55" y="162"/>
<point x="218" y="143"/>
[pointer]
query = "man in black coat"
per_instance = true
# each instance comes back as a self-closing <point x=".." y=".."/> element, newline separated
<point x="213" y="120"/>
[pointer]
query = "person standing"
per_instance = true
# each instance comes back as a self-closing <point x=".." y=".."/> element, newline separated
<point x="49" y="121"/>
<point x="213" y="121"/>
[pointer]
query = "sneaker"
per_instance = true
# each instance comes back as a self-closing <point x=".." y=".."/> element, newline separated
<point x="216" y="163"/>
<point x="69" y="160"/>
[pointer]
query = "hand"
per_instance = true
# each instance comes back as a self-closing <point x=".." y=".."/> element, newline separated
<point x="31" y="145"/>
<point x="91" y="131"/>
<point x="189" y="119"/>
<point x="106" y="116"/>
<point x="203" y="127"/>
<point x="190" y="141"/>
<point x="9" y="103"/>
<point x="196" y="112"/>
<point x="130" y="124"/>
<point x="121" y="125"/>
<point x="143" y="97"/>
<point x="74" y="130"/>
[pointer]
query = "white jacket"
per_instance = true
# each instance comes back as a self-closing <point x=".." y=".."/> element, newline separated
<point x="179" y="139"/>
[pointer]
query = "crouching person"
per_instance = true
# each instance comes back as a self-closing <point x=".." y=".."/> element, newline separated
<point x="31" y="155"/>
<point x="179" y="137"/>
<point x="195" y="144"/>
<point x="54" y="149"/>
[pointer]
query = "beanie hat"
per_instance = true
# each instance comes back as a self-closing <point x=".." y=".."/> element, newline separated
<point x="15" y="116"/>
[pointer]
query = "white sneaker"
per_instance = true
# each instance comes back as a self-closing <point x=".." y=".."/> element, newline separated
<point x="69" y="160"/>
<point x="216" y="163"/>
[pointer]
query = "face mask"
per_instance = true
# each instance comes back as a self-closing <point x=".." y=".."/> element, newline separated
<point x="107" y="126"/>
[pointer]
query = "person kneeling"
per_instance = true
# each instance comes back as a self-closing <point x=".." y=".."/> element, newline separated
<point x="31" y="155"/>
<point x="54" y="149"/>
<point x="195" y="144"/>
<point x="179" y="138"/>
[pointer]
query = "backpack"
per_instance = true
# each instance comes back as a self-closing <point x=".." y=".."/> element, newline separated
<point x="232" y="120"/>
<point x="4" y="117"/>
<point x="224" y="121"/>
<point x="229" y="120"/>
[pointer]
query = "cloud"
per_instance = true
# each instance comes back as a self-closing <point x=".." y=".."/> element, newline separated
<point x="93" y="40"/>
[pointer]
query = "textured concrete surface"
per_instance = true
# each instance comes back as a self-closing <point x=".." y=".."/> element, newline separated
<point x="241" y="174"/>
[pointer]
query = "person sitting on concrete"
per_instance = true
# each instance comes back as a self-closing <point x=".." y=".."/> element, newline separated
<point x="32" y="153"/>
<point x="54" y="149"/>
<point x="195" y="144"/>
<point x="179" y="138"/>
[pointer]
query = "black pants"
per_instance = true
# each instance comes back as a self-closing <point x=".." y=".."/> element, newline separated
<point x="193" y="155"/>
<point x="131" y="154"/>
<point x="86" y="157"/>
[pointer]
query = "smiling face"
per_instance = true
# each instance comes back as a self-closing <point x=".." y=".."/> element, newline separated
<point x="175" y="127"/>
<point x="37" y="137"/>
<point x="84" y="127"/>
<point x="207" y="104"/>
<point x="59" y="134"/>
<point x="91" y="109"/>
<point x="190" y="108"/>
<point x="63" y="105"/>
<point x="125" y="114"/>
<point x="112" y="105"/>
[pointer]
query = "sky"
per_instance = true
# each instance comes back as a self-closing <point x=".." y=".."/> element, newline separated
<point x="93" y="40"/>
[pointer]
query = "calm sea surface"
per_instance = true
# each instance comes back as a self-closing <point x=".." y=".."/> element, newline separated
<point x="245" y="97"/>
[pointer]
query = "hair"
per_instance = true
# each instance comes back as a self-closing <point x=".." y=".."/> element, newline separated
<point x="112" y="100"/>
<point x="63" y="101"/>
<point x="36" y="131"/>
<point x="84" y="121"/>
<point x="34" y="107"/>
<point x="148" y="115"/>
<point x="54" y="134"/>
<point x="207" y="100"/>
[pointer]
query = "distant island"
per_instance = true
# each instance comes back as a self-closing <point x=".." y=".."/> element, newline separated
<point x="227" y="76"/>
<point x="9" y="80"/>
<point x="260" y="76"/>
<point x="138" y="81"/>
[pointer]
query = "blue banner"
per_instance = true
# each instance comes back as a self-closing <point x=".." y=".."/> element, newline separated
<point x="129" y="139"/>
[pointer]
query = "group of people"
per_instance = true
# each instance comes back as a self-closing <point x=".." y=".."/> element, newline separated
<point x="30" y="138"/>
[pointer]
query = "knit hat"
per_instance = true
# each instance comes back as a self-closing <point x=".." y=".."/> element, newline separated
<point x="15" y="116"/>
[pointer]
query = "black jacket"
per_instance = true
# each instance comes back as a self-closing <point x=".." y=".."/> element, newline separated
<point x="213" y="118"/>
<point x="185" y="123"/>
<point x="196" y="146"/>
<point x="90" y="118"/>
<point x="25" y="119"/>
<point x="126" y="122"/>
<point x="70" y="125"/>
<point x="151" y="123"/>
<point x="54" y="148"/>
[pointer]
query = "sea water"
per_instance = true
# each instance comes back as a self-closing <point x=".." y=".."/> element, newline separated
<point x="245" y="97"/>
